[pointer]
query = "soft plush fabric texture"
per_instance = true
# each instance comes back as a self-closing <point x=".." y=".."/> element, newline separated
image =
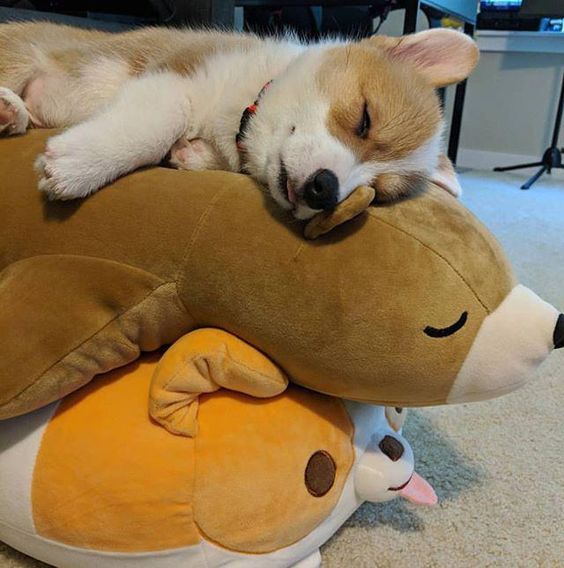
<point x="497" y="466"/>
<point x="161" y="252"/>
<point x="70" y="317"/>
<point x="250" y="493"/>
<point x="109" y="479"/>
<point x="203" y="361"/>
<point x="106" y="478"/>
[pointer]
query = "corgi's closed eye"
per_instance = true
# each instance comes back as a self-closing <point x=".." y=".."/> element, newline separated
<point x="363" y="127"/>
<point x="446" y="331"/>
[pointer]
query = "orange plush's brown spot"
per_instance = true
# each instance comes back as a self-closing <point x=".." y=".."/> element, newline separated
<point x="320" y="473"/>
<point x="252" y="457"/>
<point x="109" y="479"/>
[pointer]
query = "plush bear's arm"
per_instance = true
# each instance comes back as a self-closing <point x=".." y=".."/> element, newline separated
<point x="355" y="204"/>
<point x="360" y="199"/>
<point x="204" y="361"/>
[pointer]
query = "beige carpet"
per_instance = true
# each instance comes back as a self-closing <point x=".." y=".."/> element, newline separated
<point x="497" y="466"/>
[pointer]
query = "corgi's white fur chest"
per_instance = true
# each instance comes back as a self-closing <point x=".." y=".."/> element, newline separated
<point x="225" y="85"/>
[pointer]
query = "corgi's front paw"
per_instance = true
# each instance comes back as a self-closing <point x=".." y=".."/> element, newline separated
<point x="14" y="118"/>
<point x="57" y="179"/>
<point x="51" y="183"/>
<point x="67" y="170"/>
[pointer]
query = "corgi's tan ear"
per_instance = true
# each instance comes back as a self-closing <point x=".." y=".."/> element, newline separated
<point x="357" y="202"/>
<point x="442" y="56"/>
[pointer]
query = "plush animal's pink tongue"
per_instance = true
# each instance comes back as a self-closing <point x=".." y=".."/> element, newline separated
<point x="419" y="491"/>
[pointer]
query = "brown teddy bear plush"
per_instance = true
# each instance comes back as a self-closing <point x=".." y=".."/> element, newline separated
<point x="406" y="305"/>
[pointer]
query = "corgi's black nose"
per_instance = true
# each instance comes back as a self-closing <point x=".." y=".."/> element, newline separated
<point x="559" y="332"/>
<point x="321" y="191"/>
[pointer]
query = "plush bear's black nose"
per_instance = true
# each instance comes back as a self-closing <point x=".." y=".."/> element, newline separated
<point x="321" y="191"/>
<point x="559" y="332"/>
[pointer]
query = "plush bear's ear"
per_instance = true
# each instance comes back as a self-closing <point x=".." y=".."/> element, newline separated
<point x="201" y="362"/>
<point x="442" y="56"/>
<point x="353" y="205"/>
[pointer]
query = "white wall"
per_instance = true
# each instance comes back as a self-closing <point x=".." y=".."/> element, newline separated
<point x="510" y="102"/>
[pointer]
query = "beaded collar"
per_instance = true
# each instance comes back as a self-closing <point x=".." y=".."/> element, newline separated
<point x="248" y="113"/>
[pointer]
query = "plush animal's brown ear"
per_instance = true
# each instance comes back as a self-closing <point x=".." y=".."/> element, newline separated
<point x="442" y="56"/>
<point x="353" y="205"/>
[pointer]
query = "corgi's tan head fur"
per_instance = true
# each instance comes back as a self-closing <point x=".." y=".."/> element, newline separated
<point x="366" y="113"/>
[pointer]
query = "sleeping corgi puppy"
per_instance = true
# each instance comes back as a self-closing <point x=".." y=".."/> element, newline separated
<point x="309" y="121"/>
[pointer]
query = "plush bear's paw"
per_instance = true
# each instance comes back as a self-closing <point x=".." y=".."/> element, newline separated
<point x="14" y="117"/>
<point x="194" y="155"/>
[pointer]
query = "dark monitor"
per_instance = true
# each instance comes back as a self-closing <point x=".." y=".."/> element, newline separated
<point x="500" y="5"/>
<point x="543" y="8"/>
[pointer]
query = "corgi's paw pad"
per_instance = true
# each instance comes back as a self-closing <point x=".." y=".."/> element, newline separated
<point x="14" y="117"/>
<point x="193" y="155"/>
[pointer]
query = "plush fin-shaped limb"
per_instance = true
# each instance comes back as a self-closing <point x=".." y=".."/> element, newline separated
<point x="201" y="362"/>
<point x="66" y="318"/>
<point x="353" y="205"/>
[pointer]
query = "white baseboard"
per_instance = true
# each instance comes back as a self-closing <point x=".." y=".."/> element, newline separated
<point x="482" y="160"/>
<point x="532" y="42"/>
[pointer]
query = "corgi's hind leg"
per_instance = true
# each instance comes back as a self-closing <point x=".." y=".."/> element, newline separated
<point x="195" y="155"/>
<point x="14" y="117"/>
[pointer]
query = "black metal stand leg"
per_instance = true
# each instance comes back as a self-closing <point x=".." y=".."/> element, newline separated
<point x="456" y="124"/>
<point x="410" y="19"/>
<point x="552" y="157"/>
<point x="534" y="178"/>
<point x="519" y="167"/>
<point x="558" y="119"/>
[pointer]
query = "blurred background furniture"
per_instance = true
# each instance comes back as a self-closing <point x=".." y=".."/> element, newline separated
<point x="466" y="11"/>
<point x="552" y="157"/>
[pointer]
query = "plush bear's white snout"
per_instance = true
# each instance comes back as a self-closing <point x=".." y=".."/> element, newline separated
<point x="512" y="342"/>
